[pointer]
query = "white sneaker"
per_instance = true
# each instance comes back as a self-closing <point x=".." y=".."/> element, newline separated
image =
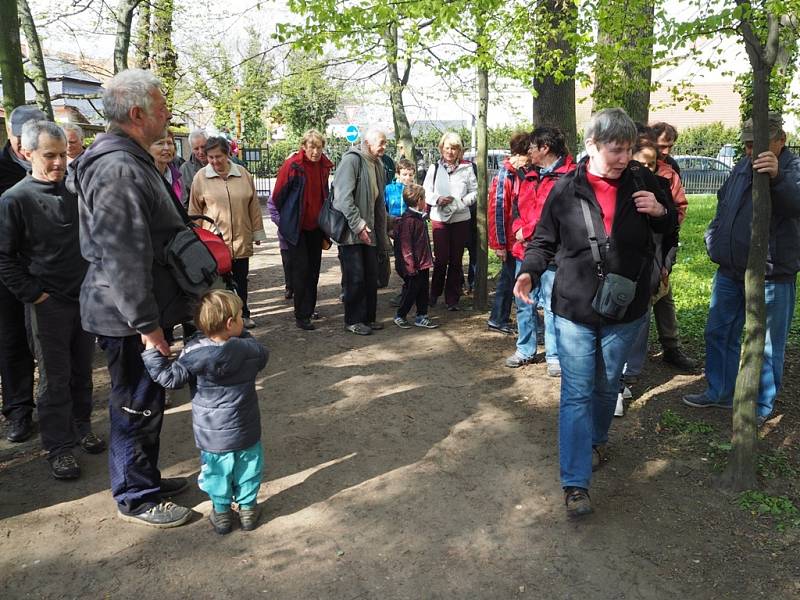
<point x="619" y="411"/>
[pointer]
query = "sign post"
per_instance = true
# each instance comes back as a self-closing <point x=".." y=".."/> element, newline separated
<point x="352" y="133"/>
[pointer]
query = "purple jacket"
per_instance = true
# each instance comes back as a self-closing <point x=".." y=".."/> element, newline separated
<point x="275" y="217"/>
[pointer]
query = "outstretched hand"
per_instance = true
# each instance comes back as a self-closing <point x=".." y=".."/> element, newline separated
<point x="523" y="287"/>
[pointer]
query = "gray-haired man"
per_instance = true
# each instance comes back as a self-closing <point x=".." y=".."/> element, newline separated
<point x="198" y="160"/>
<point x="127" y="218"/>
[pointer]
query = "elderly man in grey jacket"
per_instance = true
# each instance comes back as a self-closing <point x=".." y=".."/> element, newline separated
<point x="127" y="218"/>
<point x="198" y="160"/>
<point x="358" y="194"/>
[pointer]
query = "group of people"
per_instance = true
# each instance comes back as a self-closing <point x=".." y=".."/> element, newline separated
<point x="85" y="255"/>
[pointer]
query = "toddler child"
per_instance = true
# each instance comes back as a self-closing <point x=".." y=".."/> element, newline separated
<point x="413" y="259"/>
<point x="220" y="367"/>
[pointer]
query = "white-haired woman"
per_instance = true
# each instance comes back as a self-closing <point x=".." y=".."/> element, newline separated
<point x="450" y="189"/>
<point x="623" y="203"/>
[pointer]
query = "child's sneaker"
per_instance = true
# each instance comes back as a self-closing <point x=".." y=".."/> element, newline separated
<point x="401" y="323"/>
<point x="248" y="517"/>
<point x="424" y="321"/>
<point x="222" y="521"/>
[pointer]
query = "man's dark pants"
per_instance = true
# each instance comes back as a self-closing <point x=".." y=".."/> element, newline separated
<point x="666" y="321"/>
<point x="136" y="410"/>
<point x="16" y="361"/>
<point x="306" y="258"/>
<point x="360" y="282"/>
<point x="64" y="355"/>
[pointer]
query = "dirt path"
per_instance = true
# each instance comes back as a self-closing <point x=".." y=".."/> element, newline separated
<point x="407" y="464"/>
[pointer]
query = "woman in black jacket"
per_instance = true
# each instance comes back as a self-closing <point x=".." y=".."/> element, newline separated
<point x="624" y="206"/>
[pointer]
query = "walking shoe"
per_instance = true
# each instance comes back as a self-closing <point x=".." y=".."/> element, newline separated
<point x="619" y="409"/>
<point x="305" y="324"/>
<point x="577" y="502"/>
<point x="553" y="370"/>
<point x="401" y="323"/>
<point x="703" y="401"/>
<point x="517" y="360"/>
<point x="172" y="486"/>
<point x="64" y="466"/>
<point x="221" y="522"/>
<point x="248" y="323"/>
<point x="315" y="316"/>
<point x="599" y="456"/>
<point x="358" y="329"/>
<point x="677" y="358"/>
<point x="376" y="326"/>
<point x="92" y="444"/>
<point x="248" y="517"/>
<point x="19" y="430"/>
<point x="163" y="515"/>
<point x="424" y="322"/>
<point x="504" y="328"/>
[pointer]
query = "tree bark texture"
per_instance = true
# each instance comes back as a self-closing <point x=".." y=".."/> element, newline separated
<point x="165" y="59"/>
<point x="37" y="68"/>
<point x="480" y="293"/>
<point x="142" y="45"/>
<point x="122" y="40"/>
<point x="402" y="128"/>
<point x="554" y="101"/>
<point x="11" y="58"/>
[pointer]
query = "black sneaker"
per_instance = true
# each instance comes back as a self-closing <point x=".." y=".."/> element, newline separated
<point x="305" y="324"/>
<point x="577" y="502"/>
<point x="64" y="466"/>
<point x="248" y="517"/>
<point x="222" y="522"/>
<point x="19" y="430"/>
<point x="92" y="444"/>
<point x="504" y="328"/>
<point x="677" y="358"/>
<point x="172" y="486"/>
<point x="163" y="515"/>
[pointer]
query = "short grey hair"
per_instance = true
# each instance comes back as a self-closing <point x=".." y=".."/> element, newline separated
<point x="611" y="125"/>
<point x="73" y="127"/>
<point x="373" y="136"/>
<point x="126" y="90"/>
<point x="197" y="134"/>
<point x="33" y="129"/>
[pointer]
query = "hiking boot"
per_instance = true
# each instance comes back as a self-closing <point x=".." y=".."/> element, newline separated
<point x="677" y="358"/>
<point x="64" y="466"/>
<point x="599" y="456"/>
<point x="248" y="517"/>
<point x="221" y="522"/>
<point x="424" y="322"/>
<point x="92" y="444"/>
<point x="163" y="515"/>
<point x="703" y="401"/>
<point x="401" y="323"/>
<point x="358" y="329"/>
<point x="504" y="328"/>
<point x="619" y="409"/>
<point x="553" y="370"/>
<point x="577" y="502"/>
<point x="516" y="360"/>
<point x="19" y="430"/>
<point x="376" y="326"/>
<point x="305" y="324"/>
<point x="248" y="323"/>
<point x="172" y="486"/>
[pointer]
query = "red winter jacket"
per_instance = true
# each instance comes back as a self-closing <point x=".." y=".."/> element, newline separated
<point x="531" y="199"/>
<point x="503" y="193"/>
<point x="315" y="191"/>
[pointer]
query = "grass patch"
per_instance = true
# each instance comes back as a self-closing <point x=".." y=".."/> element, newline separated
<point x="776" y="465"/>
<point x="673" y="423"/>
<point x="780" y="509"/>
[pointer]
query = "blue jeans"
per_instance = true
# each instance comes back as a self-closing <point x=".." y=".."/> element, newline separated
<point x="503" y="294"/>
<point x="526" y="322"/>
<point x="591" y="364"/>
<point x="545" y="295"/>
<point x="723" y="339"/>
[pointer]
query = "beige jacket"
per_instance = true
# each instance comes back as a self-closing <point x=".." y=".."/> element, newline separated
<point x="232" y="203"/>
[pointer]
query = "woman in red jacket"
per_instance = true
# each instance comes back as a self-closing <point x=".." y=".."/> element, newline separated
<point x="300" y="189"/>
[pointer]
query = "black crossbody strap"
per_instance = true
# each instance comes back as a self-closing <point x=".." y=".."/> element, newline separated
<point x="593" y="241"/>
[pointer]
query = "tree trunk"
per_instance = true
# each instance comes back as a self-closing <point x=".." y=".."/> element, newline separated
<point x="480" y="293"/>
<point x="165" y="58"/>
<point x="554" y="102"/>
<point x="122" y="39"/>
<point x="143" y="37"/>
<point x="402" y="128"/>
<point x="637" y="101"/>
<point x="38" y="71"/>
<point x="11" y="58"/>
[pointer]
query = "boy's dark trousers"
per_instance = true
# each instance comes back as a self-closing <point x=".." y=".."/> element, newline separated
<point x="16" y="361"/>
<point x="415" y="291"/>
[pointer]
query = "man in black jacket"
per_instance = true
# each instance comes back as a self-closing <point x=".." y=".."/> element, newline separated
<point x="16" y="361"/>
<point x="40" y="262"/>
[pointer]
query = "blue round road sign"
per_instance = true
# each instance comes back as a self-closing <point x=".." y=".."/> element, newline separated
<point x="352" y="134"/>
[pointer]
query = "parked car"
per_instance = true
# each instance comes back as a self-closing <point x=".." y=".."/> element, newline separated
<point x="494" y="159"/>
<point x="702" y="174"/>
<point x="727" y="155"/>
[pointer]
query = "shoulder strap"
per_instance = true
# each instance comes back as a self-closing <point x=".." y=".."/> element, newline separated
<point x="593" y="238"/>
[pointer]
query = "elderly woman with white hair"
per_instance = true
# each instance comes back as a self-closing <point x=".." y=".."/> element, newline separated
<point x="450" y="189"/>
<point x="600" y="220"/>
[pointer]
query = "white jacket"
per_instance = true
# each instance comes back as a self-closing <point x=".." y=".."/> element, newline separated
<point x="462" y="185"/>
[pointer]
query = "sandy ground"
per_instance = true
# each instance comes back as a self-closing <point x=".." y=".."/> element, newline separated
<point x="408" y="464"/>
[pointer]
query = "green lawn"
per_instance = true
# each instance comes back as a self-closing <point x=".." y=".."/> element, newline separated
<point x="691" y="277"/>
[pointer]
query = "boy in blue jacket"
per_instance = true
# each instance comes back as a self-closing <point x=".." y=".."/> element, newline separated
<point x="221" y="368"/>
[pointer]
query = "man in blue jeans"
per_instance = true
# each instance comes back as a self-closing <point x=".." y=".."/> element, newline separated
<point x="728" y="243"/>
